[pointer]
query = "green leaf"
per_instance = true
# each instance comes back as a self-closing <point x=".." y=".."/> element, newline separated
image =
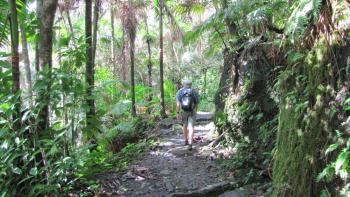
<point x="17" y="140"/>
<point x="5" y="144"/>
<point x="24" y="180"/>
<point x="327" y="173"/>
<point x="5" y="64"/>
<point x="332" y="147"/>
<point x="17" y="170"/>
<point x="259" y="116"/>
<point x="347" y="101"/>
<point x="2" y="133"/>
<point x="4" y="107"/>
<point x="121" y="107"/>
<point x="325" y="193"/>
<point x="341" y="160"/>
<point x="33" y="171"/>
<point x="124" y="126"/>
<point x="343" y="173"/>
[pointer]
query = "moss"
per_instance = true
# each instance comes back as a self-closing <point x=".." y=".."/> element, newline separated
<point x="303" y="125"/>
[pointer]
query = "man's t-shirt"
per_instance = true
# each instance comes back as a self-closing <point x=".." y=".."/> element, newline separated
<point x="180" y="94"/>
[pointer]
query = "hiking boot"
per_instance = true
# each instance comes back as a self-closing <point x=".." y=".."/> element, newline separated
<point x="190" y="147"/>
<point x="186" y="143"/>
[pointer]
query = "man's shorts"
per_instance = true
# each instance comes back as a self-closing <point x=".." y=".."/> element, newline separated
<point x="188" y="118"/>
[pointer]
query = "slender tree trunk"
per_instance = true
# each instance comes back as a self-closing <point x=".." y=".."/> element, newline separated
<point x="205" y="82"/>
<point x="15" y="63"/>
<point x="71" y="27"/>
<point x="149" y="64"/>
<point x="132" y="35"/>
<point x="73" y="113"/>
<point x="132" y="76"/>
<point x="37" y="69"/>
<point x="149" y="67"/>
<point x="26" y="60"/>
<point x="113" y="41"/>
<point x="89" y="63"/>
<point x="162" y="104"/>
<point x="123" y="56"/>
<point x="95" y="30"/>
<point x="69" y="21"/>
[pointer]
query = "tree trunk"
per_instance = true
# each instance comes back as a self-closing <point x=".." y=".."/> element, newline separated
<point x="69" y="22"/>
<point x="71" y="27"/>
<point x="123" y="56"/>
<point x="230" y="58"/>
<point x="149" y="64"/>
<point x="15" y="63"/>
<point x="132" y="75"/>
<point x="37" y="69"/>
<point x="114" y="58"/>
<point x="132" y="34"/>
<point x="89" y="75"/>
<point x="162" y="103"/>
<point x="205" y="82"/>
<point x="225" y="80"/>
<point x="26" y="59"/>
<point x="95" y="30"/>
<point x="46" y="15"/>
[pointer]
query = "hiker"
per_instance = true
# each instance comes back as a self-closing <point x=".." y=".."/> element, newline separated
<point x="187" y="101"/>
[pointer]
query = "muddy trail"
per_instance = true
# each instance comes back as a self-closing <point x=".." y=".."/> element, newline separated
<point x="170" y="169"/>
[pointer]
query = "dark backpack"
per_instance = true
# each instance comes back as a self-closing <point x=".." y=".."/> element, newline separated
<point x="187" y="101"/>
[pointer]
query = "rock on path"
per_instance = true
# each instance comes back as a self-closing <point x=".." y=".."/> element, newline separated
<point x="169" y="167"/>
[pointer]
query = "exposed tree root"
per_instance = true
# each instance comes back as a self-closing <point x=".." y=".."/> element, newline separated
<point x="218" y="140"/>
<point x="210" y="190"/>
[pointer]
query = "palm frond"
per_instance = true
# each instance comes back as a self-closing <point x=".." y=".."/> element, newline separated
<point x="4" y="23"/>
<point x="173" y="21"/>
<point x="214" y="22"/>
<point x="189" y="8"/>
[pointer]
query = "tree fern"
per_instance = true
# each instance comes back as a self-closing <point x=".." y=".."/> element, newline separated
<point x="243" y="12"/>
<point x="302" y="13"/>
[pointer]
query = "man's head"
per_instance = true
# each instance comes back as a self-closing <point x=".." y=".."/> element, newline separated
<point x="187" y="83"/>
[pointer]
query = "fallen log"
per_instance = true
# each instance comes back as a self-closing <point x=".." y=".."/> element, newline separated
<point x="210" y="190"/>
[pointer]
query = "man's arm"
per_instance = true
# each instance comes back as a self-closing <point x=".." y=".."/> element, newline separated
<point x="178" y="104"/>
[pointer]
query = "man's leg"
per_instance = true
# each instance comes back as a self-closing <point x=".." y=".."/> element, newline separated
<point x="184" y="117"/>
<point x="190" y="130"/>
<point x="185" y="132"/>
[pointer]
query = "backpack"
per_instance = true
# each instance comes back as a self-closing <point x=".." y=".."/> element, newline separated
<point x="187" y="101"/>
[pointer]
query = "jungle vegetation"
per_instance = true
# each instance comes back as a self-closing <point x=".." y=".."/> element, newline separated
<point x="81" y="83"/>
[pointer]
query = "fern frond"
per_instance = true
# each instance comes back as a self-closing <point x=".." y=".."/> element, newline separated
<point x="300" y="17"/>
<point x="316" y="9"/>
<point x="327" y="173"/>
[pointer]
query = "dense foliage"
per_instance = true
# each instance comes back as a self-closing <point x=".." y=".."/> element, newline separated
<point x="79" y="95"/>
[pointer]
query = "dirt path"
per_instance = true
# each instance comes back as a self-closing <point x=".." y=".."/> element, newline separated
<point x="169" y="168"/>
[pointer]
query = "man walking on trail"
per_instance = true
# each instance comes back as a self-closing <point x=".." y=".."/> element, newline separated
<point x="187" y="101"/>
